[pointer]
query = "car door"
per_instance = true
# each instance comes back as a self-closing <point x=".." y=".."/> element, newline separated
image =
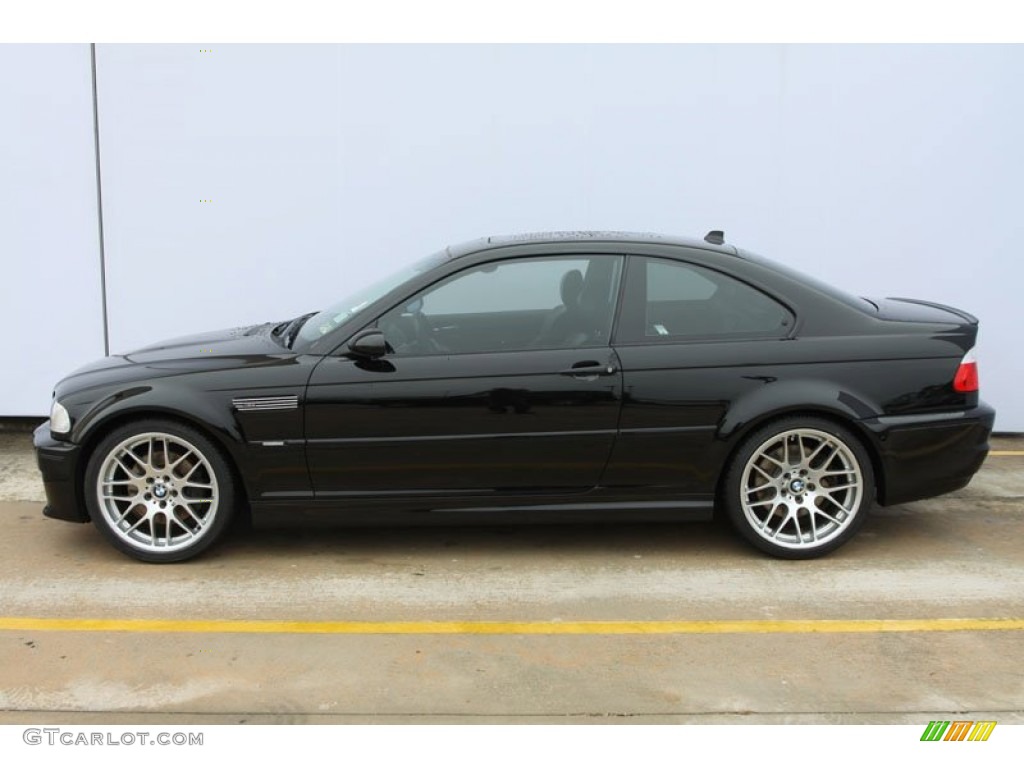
<point x="500" y="379"/>
<point x="691" y="341"/>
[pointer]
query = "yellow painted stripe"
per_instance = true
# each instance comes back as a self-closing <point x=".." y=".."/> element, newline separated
<point x="755" y="626"/>
<point x="1006" y="453"/>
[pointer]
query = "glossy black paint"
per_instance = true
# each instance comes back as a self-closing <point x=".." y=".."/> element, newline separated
<point x="503" y="423"/>
<point x="641" y="427"/>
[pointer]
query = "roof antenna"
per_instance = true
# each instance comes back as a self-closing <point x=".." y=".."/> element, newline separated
<point x="715" y="237"/>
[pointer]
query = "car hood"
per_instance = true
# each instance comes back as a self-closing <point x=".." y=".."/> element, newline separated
<point x="213" y="350"/>
<point x="197" y="349"/>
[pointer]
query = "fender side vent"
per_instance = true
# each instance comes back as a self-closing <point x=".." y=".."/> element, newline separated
<point x="281" y="403"/>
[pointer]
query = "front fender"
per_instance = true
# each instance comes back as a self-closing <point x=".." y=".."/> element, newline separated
<point x="157" y="398"/>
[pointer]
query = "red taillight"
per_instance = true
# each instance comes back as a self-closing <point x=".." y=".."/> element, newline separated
<point x="966" y="378"/>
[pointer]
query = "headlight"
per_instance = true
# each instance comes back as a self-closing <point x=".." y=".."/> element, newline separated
<point x="60" y="421"/>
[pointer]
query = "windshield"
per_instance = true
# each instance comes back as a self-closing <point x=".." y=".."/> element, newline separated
<point x="324" y="322"/>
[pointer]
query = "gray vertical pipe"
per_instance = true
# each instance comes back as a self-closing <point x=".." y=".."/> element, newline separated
<point x="99" y="201"/>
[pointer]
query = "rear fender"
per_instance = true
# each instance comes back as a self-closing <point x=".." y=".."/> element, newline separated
<point x="802" y="395"/>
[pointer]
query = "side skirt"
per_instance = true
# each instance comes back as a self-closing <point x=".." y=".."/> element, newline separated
<point x="476" y="512"/>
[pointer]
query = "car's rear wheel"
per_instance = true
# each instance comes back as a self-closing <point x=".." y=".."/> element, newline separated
<point x="799" y="487"/>
<point x="159" y="491"/>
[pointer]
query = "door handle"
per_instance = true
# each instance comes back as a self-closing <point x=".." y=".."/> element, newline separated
<point x="589" y="368"/>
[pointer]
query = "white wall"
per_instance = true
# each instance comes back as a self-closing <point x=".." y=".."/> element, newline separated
<point x="255" y="129"/>
<point x="51" y="317"/>
<point x="886" y="170"/>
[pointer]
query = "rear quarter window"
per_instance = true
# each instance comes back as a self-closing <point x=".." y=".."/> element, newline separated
<point x="669" y="300"/>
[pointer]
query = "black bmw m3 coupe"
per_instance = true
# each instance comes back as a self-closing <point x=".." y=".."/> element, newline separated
<point x="560" y="375"/>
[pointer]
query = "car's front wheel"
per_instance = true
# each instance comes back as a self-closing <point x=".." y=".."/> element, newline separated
<point x="799" y="487"/>
<point x="159" y="491"/>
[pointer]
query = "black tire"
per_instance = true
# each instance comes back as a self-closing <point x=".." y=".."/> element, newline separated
<point x="799" y="487"/>
<point x="159" y="490"/>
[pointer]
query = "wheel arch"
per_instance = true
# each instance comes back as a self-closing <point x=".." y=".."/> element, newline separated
<point x="102" y="427"/>
<point x="738" y="437"/>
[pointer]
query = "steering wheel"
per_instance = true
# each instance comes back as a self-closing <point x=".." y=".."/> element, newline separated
<point x="409" y="331"/>
<point x="424" y="339"/>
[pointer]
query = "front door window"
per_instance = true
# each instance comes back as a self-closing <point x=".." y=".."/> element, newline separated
<point x="520" y="304"/>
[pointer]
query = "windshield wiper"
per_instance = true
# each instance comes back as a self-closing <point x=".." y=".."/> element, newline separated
<point x="291" y="330"/>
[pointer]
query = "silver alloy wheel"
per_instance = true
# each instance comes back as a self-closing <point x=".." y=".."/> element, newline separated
<point x="801" y="488"/>
<point x="157" y="492"/>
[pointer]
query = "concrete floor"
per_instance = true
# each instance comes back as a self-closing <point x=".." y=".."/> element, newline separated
<point x="957" y="557"/>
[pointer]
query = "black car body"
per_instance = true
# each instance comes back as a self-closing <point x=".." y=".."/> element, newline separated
<point x="569" y="374"/>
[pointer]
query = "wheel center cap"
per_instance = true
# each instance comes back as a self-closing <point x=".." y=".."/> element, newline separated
<point x="797" y="486"/>
<point x="159" y="490"/>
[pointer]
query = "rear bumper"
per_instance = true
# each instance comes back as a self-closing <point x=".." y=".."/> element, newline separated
<point x="58" y="463"/>
<point x="930" y="454"/>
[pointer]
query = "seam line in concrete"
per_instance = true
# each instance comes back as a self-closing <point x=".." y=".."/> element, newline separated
<point x="319" y="714"/>
<point x="698" y="627"/>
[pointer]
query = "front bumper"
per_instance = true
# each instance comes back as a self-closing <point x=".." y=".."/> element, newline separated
<point x="58" y="462"/>
<point x="930" y="454"/>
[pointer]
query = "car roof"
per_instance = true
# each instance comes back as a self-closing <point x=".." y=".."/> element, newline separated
<point x="581" y="236"/>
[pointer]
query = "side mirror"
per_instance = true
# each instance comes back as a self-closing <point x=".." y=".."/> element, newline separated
<point x="370" y="343"/>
